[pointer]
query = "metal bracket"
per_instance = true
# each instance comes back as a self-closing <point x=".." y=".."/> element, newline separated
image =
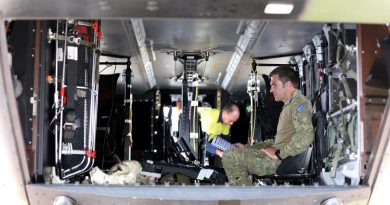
<point x="33" y="100"/>
<point x="71" y="39"/>
<point x="69" y="126"/>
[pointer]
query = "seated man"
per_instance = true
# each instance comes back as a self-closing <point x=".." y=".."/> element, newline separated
<point x="293" y="136"/>
<point x="215" y="122"/>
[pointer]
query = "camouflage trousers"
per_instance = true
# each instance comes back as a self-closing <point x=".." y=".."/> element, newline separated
<point x="241" y="163"/>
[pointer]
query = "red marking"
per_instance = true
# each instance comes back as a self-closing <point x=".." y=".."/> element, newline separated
<point x="90" y="153"/>
<point x="99" y="35"/>
<point x="62" y="91"/>
<point x="321" y="73"/>
<point x="95" y="26"/>
<point x="86" y="37"/>
<point x="82" y="29"/>
<point x="62" y="94"/>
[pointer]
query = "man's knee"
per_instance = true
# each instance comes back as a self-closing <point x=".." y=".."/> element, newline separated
<point x="228" y="153"/>
<point x="227" y="158"/>
<point x="232" y="159"/>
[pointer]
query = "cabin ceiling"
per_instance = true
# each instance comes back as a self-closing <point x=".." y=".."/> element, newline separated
<point x="222" y="36"/>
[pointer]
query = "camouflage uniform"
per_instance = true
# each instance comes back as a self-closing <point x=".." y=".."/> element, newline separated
<point x="294" y="135"/>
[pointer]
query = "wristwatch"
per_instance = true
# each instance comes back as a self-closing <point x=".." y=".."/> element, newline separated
<point x="277" y="153"/>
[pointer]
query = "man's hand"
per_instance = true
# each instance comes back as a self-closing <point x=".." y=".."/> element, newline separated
<point x="239" y="145"/>
<point x="219" y="153"/>
<point x="270" y="152"/>
<point x="249" y="141"/>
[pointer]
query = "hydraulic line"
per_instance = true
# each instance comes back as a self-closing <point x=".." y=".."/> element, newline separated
<point x="63" y="93"/>
<point x="56" y="93"/>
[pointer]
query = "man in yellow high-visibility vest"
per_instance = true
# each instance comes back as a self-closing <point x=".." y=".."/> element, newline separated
<point x="215" y="122"/>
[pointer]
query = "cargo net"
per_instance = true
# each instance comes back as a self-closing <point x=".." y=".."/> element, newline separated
<point x="75" y="136"/>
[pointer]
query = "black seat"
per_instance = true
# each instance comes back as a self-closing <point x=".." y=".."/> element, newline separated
<point x="292" y="169"/>
<point x="297" y="164"/>
<point x="296" y="168"/>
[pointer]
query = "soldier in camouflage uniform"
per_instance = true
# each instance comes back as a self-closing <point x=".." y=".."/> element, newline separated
<point x="294" y="133"/>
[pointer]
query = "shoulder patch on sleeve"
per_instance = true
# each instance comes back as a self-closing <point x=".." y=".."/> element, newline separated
<point x="300" y="107"/>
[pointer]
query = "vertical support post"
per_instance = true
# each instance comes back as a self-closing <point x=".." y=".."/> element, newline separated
<point x="184" y="127"/>
<point x="43" y="128"/>
<point x="128" y="113"/>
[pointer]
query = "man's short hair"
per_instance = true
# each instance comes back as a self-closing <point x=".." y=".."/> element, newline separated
<point x="229" y="108"/>
<point x="286" y="73"/>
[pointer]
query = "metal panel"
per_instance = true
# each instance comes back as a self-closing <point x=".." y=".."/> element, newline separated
<point x="140" y="8"/>
<point x="378" y="176"/>
<point x="376" y="11"/>
<point x="14" y="174"/>
<point x="192" y="34"/>
<point x="285" y="37"/>
<point x="299" y="195"/>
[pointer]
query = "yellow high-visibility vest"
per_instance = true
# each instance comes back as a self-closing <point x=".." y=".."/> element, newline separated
<point x="210" y="124"/>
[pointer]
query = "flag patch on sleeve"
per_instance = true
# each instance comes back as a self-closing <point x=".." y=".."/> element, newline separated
<point x="300" y="107"/>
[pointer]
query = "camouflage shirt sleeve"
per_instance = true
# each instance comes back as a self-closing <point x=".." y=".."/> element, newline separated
<point x="261" y="145"/>
<point x="304" y="132"/>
